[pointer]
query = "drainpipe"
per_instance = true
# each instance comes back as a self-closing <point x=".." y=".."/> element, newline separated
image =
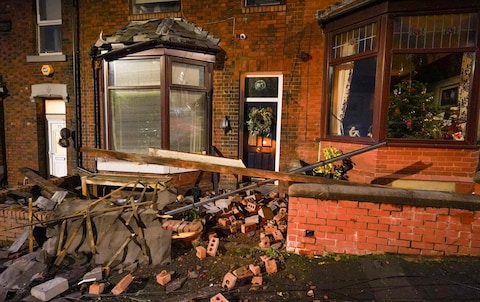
<point x="76" y="84"/>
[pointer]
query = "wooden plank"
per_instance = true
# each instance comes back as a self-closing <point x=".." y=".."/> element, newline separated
<point x="206" y="166"/>
<point x="196" y="157"/>
<point x="45" y="184"/>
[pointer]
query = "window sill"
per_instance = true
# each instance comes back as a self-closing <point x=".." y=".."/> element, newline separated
<point x="47" y="58"/>
<point x="112" y="165"/>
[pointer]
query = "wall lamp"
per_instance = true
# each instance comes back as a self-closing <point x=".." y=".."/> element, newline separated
<point x="3" y="88"/>
<point x="225" y="125"/>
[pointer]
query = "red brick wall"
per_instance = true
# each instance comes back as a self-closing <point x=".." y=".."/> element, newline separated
<point x="387" y="163"/>
<point x="13" y="221"/>
<point x="358" y="228"/>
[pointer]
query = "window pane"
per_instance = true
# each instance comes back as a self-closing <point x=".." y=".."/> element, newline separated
<point x="151" y="6"/>
<point x="135" y="120"/>
<point x="188" y="121"/>
<point x="351" y="99"/>
<point x="49" y="10"/>
<point x="187" y="74"/>
<point x="263" y="2"/>
<point x="430" y="95"/>
<point x="257" y="87"/>
<point x="50" y="39"/>
<point x="358" y="40"/>
<point x="134" y="72"/>
<point x="436" y="31"/>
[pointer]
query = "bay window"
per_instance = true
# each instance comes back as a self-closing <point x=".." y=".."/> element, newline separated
<point x="158" y="102"/>
<point x="400" y="76"/>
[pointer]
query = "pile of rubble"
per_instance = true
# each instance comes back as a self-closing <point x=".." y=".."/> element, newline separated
<point x="41" y="276"/>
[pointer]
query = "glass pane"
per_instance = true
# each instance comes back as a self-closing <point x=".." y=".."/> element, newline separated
<point x="256" y="87"/>
<point x="351" y="99"/>
<point x="358" y="40"/>
<point x="430" y="95"/>
<point x="188" y="121"/>
<point x="50" y="39"/>
<point x="135" y="120"/>
<point x="263" y="2"/>
<point x="49" y="10"/>
<point x="145" y="72"/>
<point x="435" y="31"/>
<point x="148" y="7"/>
<point x="187" y="74"/>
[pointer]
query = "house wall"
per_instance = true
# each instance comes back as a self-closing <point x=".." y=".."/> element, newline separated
<point x="24" y="124"/>
<point x="319" y="227"/>
<point x="276" y="35"/>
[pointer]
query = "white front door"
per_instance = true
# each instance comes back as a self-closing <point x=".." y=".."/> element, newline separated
<point x="57" y="155"/>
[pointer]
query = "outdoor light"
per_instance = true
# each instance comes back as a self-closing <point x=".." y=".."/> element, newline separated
<point x="3" y="88"/>
<point x="225" y="124"/>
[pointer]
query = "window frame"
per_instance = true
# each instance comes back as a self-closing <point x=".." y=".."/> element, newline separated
<point x="331" y="62"/>
<point x="47" y="23"/>
<point x="133" y="4"/>
<point x="269" y="3"/>
<point x="385" y="14"/>
<point x="166" y="85"/>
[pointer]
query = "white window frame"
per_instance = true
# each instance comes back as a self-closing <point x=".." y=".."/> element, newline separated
<point x="44" y="23"/>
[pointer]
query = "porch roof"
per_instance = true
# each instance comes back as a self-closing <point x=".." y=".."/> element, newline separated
<point x="168" y="32"/>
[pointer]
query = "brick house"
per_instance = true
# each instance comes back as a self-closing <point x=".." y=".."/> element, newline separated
<point x="324" y="73"/>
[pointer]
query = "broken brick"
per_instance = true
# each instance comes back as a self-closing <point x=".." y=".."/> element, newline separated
<point x="252" y="207"/>
<point x="243" y="272"/>
<point x="229" y="280"/>
<point x="96" y="288"/>
<point x="271" y="266"/>
<point x="224" y="221"/>
<point x="277" y="234"/>
<point x="201" y="252"/>
<point x="218" y="298"/>
<point x="247" y="228"/>
<point x="257" y="280"/>
<point x="264" y="242"/>
<point x="164" y="277"/>
<point x="122" y="285"/>
<point x="255" y="269"/>
<point x="213" y="246"/>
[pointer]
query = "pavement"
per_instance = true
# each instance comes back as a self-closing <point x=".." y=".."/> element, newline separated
<point x="397" y="278"/>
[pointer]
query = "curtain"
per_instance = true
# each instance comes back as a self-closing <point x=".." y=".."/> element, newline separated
<point x="341" y="91"/>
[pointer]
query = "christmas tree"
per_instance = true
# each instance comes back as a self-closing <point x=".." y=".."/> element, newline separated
<point x="412" y="112"/>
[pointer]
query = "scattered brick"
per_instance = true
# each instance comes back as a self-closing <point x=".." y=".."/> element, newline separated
<point x="243" y="272"/>
<point x="213" y="246"/>
<point x="164" y="277"/>
<point x="271" y="266"/>
<point x="257" y="280"/>
<point x="247" y="228"/>
<point x="96" y="288"/>
<point x="229" y="280"/>
<point x="255" y="269"/>
<point x="201" y="252"/>
<point x="218" y="298"/>
<point x="122" y="285"/>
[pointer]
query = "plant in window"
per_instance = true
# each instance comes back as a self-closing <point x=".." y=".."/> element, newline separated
<point x="412" y="112"/>
<point x="332" y="170"/>
<point x="260" y="121"/>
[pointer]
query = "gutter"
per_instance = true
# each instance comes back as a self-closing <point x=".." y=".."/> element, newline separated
<point x="76" y="84"/>
<point x="341" y="8"/>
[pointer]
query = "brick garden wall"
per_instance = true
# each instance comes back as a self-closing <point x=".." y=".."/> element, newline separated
<point x="317" y="227"/>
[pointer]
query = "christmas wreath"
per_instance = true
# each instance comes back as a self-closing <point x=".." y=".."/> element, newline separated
<point x="260" y="121"/>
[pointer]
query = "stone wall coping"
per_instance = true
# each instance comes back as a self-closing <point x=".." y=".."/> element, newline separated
<point x="382" y="194"/>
